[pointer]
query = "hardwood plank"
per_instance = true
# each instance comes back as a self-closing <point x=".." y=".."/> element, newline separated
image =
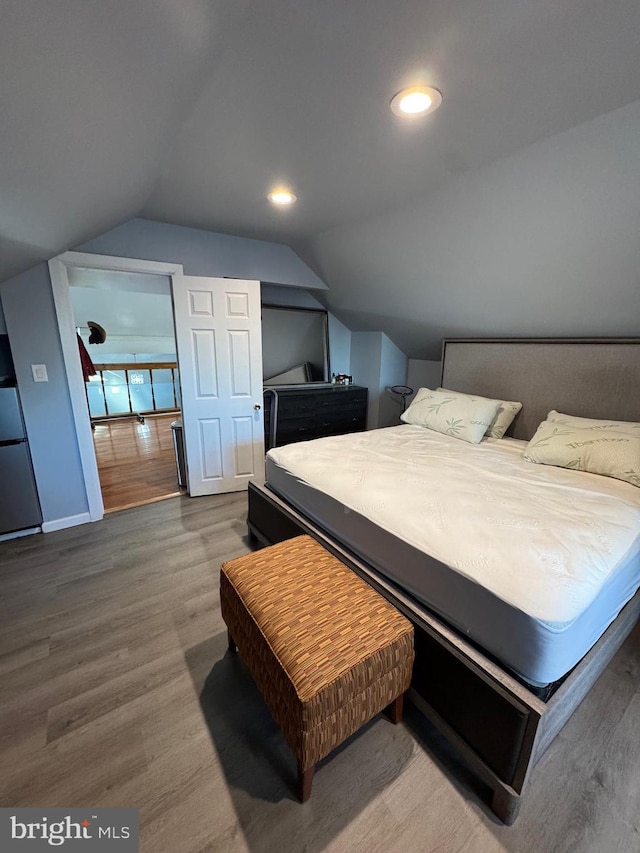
<point x="23" y="728"/>
<point x="617" y="770"/>
<point x="74" y="770"/>
<point x="373" y="829"/>
<point x="60" y="682"/>
<point x="20" y="657"/>
<point x="136" y="461"/>
<point x="458" y="825"/>
<point x="117" y="690"/>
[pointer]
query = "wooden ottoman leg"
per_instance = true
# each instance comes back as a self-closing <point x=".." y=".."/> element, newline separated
<point x="394" y="710"/>
<point x="232" y="642"/>
<point x="305" y="780"/>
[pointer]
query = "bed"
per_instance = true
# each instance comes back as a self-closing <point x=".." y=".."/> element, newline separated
<point x="500" y="665"/>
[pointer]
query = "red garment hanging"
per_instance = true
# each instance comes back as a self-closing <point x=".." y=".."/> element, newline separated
<point x="85" y="360"/>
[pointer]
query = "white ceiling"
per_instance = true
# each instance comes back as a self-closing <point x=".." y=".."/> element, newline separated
<point x="189" y="111"/>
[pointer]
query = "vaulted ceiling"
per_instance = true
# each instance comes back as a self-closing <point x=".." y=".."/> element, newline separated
<point x="190" y="111"/>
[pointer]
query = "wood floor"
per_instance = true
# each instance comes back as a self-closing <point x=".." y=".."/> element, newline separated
<point x="136" y="461"/>
<point x="117" y="689"/>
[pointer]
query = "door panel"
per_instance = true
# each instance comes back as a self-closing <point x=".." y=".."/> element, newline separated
<point x="240" y="367"/>
<point x="200" y="303"/>
<point x="211" y="449"/>
<point x="218" y="333"/>
<point x="243" y="462"/>
<point x="237" y="306"/>
<point x="205" y="362"/>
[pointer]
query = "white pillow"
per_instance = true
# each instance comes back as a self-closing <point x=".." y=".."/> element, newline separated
<point x="423" y="394"/>
<point x="507" y="411"/>
<point x="458" y="415"/>
<point x="610" y="452"/>
<point x="592" y="423"/>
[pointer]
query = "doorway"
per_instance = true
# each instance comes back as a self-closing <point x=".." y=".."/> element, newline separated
<point x="218" y="333"/>
<point x="124" y="322"/>
<point x="60" y="269"/>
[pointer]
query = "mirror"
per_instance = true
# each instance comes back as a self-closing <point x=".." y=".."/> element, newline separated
<point x="295" y="345"/>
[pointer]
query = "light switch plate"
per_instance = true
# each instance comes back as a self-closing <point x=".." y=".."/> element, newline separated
<point x="39" y="372"/>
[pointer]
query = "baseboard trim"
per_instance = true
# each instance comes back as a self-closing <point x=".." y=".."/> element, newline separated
<point x="16" y="534"/>
<point x="69" y="521"/>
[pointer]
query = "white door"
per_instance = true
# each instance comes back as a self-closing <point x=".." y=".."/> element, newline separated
<point x="219" y="342"/>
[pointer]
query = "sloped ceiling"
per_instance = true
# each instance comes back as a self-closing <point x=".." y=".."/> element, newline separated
<point x="189" y="111"/>
<point x="93" y="95"/>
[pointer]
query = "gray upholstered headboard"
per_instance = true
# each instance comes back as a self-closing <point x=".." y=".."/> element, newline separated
<point x="591" y="378"/>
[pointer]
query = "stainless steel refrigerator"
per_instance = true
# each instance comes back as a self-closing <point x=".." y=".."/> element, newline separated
<point x="19" y="506"/>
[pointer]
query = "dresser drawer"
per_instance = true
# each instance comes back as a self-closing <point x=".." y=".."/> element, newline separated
<point x="302" y="414"/>
<point x="353" y="408"/>
<point x="295" y="407"/>
<point x="333" y="416"/>
<point x="342" y="400"/>
<point x="298" y="430"/>
<point x="334" y="426"/>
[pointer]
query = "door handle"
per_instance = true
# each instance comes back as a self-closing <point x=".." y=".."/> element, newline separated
<point x="257" y="407"/>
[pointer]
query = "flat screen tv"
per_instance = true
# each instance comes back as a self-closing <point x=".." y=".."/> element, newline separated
<point x="295" y="345"/>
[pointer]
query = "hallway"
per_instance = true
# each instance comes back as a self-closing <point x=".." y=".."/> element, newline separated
<point x="136" y="461"/>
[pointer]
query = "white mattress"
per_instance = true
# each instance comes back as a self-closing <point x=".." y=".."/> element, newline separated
<point x="530" y="561"/>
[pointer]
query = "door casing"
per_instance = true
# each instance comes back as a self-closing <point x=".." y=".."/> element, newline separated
<point x="58" y="270"/>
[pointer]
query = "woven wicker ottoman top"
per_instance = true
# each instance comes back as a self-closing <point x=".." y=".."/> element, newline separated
<point x="320" y="619"/>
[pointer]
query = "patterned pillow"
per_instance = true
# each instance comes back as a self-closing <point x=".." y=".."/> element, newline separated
<point x="596" y="425"/>
<point x="499" y="425"/>
<point x="423" y="394"/>
<point x="504" y="416"/>
<point x="458" y="415"/>
<point x="609" y="452"/>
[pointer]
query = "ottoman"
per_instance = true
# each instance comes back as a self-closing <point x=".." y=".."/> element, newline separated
<point x="325" y="650"/>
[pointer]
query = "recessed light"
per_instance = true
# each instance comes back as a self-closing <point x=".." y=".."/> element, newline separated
<point x="417" y="101"/>
<point x="281" y="197"/>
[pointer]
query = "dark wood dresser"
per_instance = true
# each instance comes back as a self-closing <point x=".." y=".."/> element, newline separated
<point x="298" y="414"/>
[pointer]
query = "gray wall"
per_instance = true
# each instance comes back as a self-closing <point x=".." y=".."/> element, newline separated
<point x="546" y="242"/>
<point x="393" y="371"/>
<point x="365" y="369"/>
<point x="205" y="253"/>
<point x="33" y="332"/>
<point x="377" y="363"/>
<point x="339" y="346"/>
<point x="423" y="374"/>
<point x="292" y="297"/>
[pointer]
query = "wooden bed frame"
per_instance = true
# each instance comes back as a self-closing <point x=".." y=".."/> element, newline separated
<point x="498" y="726"/>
